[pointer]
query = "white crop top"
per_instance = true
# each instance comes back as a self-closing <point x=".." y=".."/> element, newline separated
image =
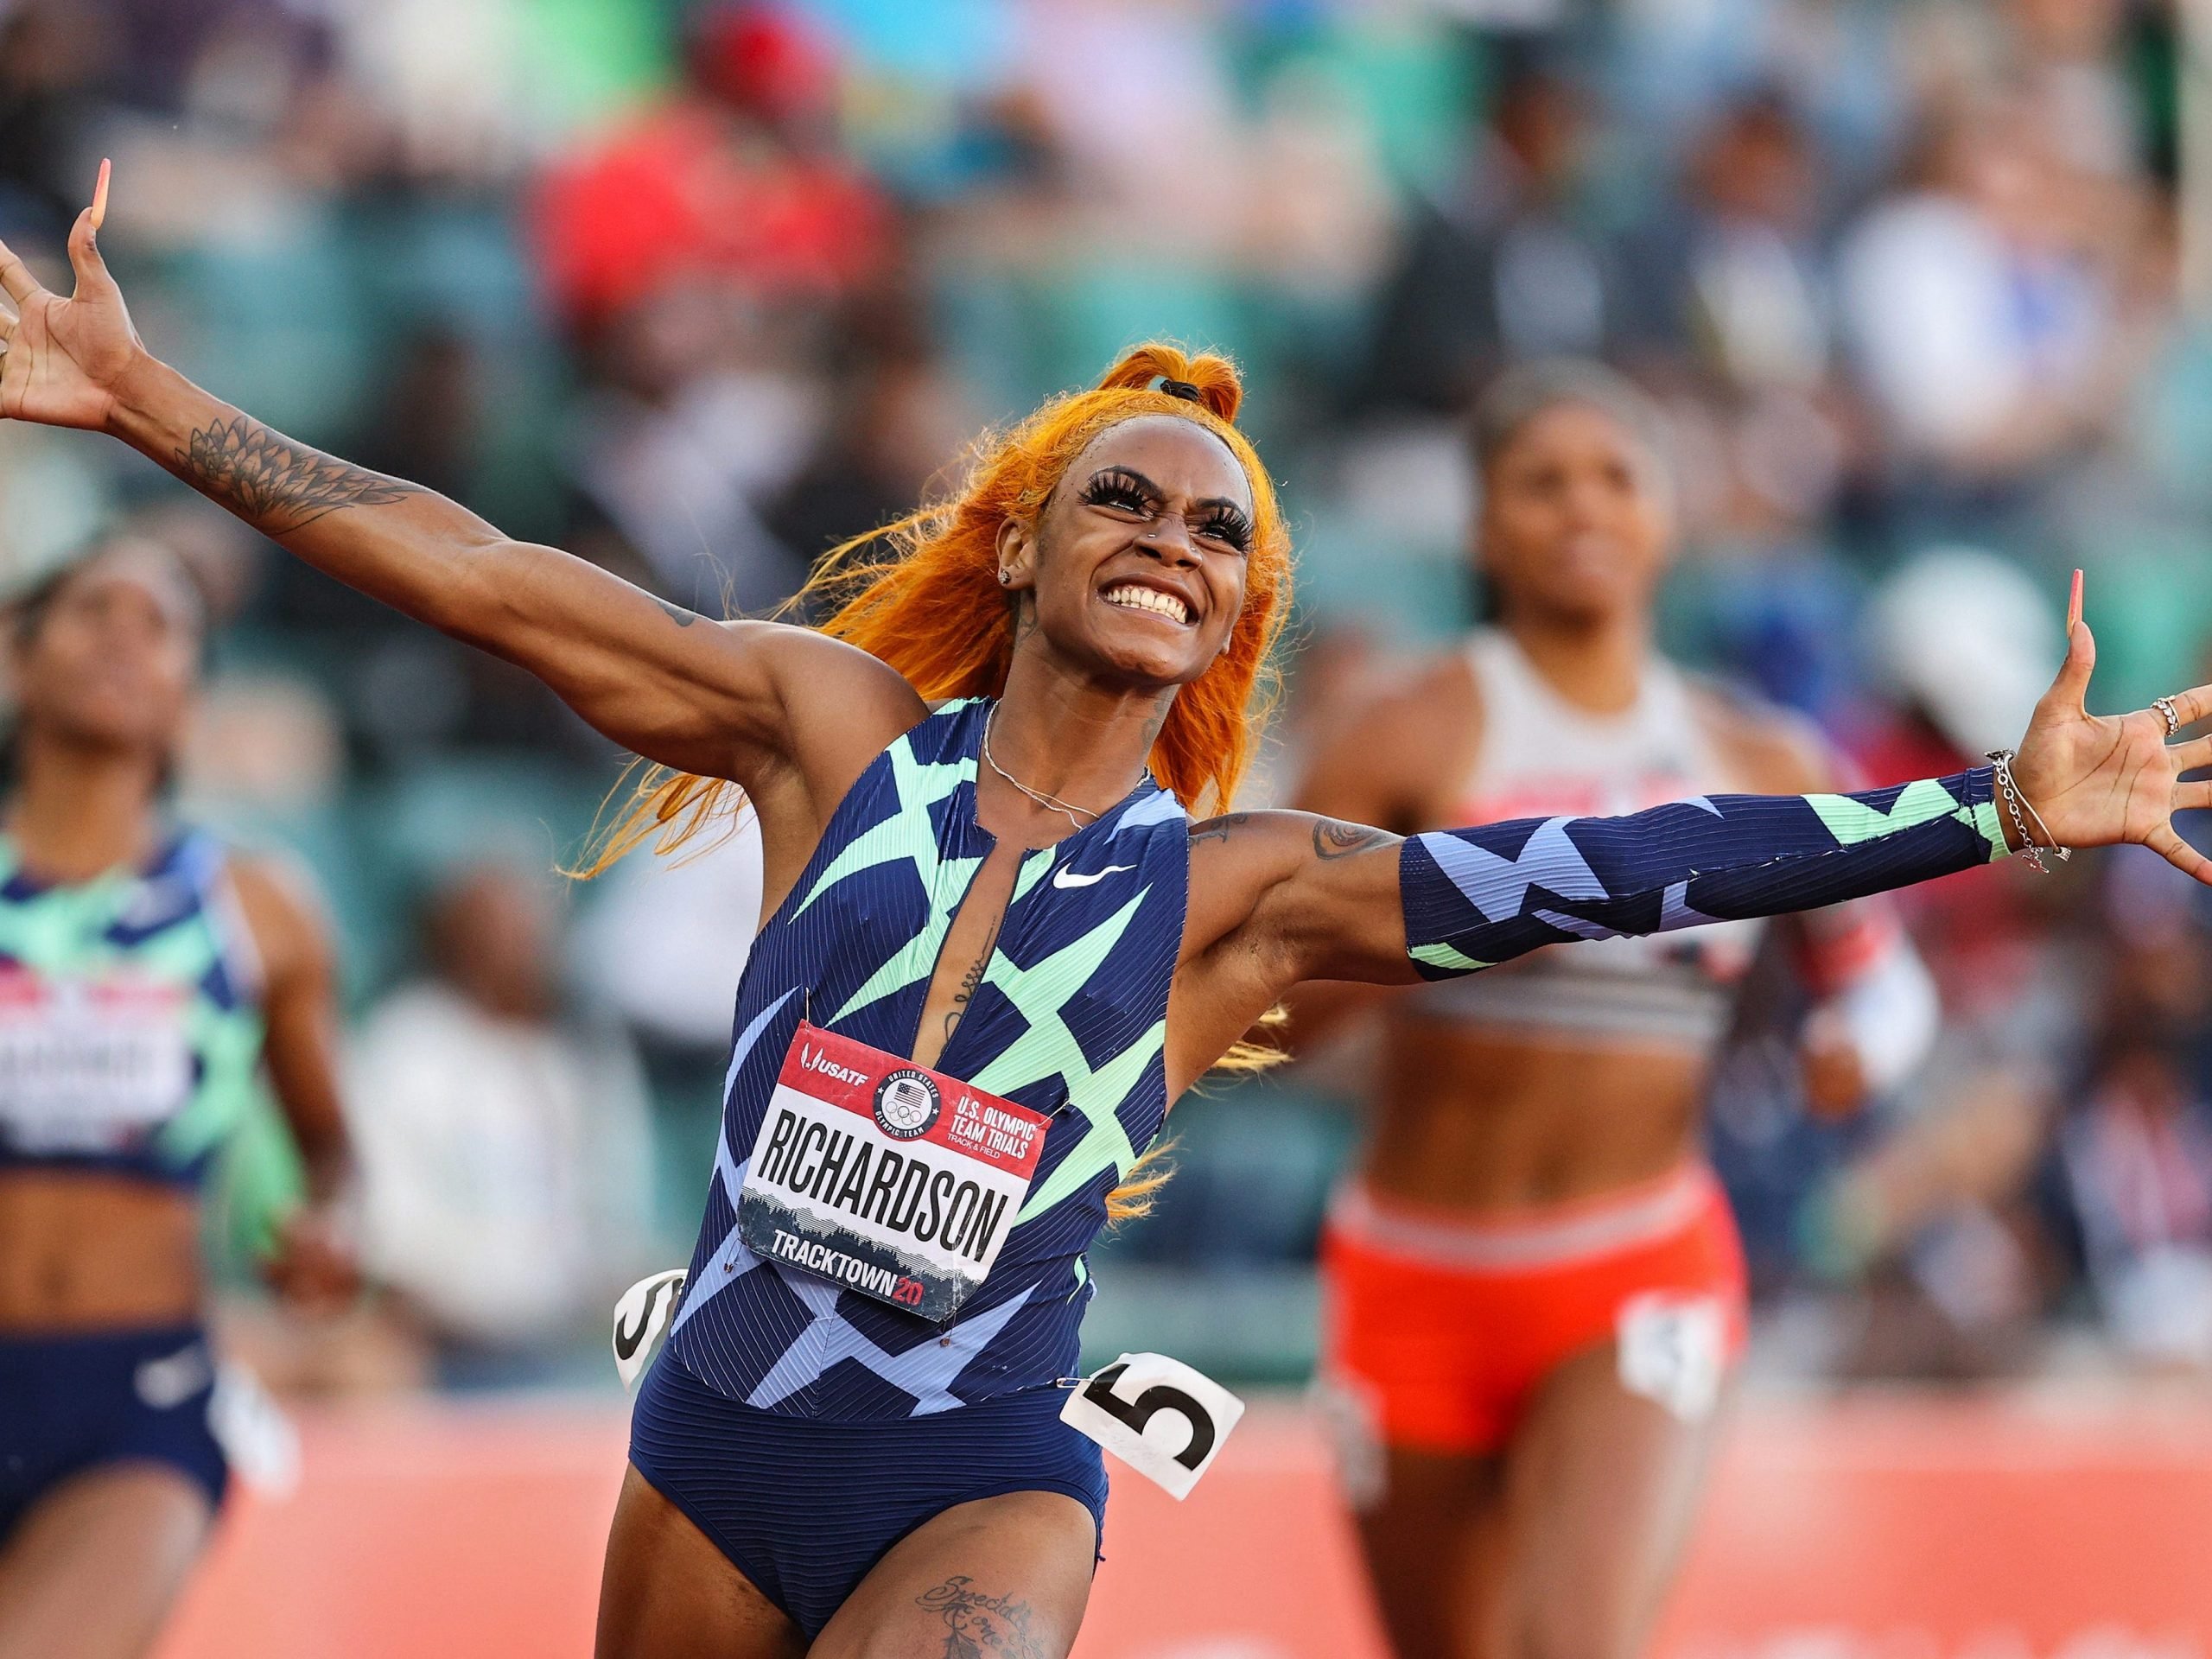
<point x="1542" y="757"/>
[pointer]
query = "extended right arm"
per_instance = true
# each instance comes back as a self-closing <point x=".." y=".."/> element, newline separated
<point x="700" y="697"/>
<point x="652" y="677"/>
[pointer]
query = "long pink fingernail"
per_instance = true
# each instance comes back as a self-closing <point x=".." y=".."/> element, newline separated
<point x="99" y="194"/>
<point x="2073" y="607"/>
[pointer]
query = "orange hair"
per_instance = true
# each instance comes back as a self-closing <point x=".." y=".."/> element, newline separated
<point x="922" y="594"/>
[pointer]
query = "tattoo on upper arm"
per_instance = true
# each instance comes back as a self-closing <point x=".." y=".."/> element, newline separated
<point x="682" y="617"/>
<point x="1218" y="828"/>
<point x="976" y="1624"/>
<point x="276" y="485"/>
<point x="1332" y="839"/>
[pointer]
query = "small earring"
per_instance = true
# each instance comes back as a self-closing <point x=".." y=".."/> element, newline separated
<point x="1005" y="576"/>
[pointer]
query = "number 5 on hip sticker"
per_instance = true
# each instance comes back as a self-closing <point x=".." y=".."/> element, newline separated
<point x="1163" y="1420"/>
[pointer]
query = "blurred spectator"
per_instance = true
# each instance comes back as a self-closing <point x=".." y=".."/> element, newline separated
<point x="739" y="178"/>
<point x="49" y="50"/>
<point x="1730" y="308"/>
<point x="1960" y="643"/>
<point x="2137" y="1163"/>
<point x="1734" y="280"/>
<point x="1929" y="1223"/>
<point x="698" y="252"/>
<point x="504" y="1143"/>
<point x="897" y="423"/>
<point x="665" y="943"/>
<point x="2069" y="60"/>
<point x="1849" y="66"/>
<point x="1504" y="263"/>
<point x="1138" y="100"/>
<point x="2132" y="1164"/>
<point x="699" y="419"/>
<point x="1990" y="303"/>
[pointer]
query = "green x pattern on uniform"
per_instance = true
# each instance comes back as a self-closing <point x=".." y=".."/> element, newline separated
<point x="1047" y="1047"/>
<point x="908" y="833"/>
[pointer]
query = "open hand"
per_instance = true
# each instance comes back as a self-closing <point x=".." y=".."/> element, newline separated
<point x="61" y="359"/>
<point x="2097" y="779"/>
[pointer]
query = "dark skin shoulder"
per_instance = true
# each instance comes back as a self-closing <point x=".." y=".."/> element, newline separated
<point x="1278" y="898"/>
<point x="1775" y="753"/>
<point x="1394" y="754"/>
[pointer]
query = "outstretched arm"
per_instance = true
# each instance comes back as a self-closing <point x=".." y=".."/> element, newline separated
<point x="1473" y="898"/>
<point x="698" y="695"/>
<point x="1281" y="897"/>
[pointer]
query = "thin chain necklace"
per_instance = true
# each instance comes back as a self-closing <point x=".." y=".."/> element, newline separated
<point x="1067" y="810"/>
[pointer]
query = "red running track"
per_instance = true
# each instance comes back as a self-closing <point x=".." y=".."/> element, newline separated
<point x="1887" y="1528"/>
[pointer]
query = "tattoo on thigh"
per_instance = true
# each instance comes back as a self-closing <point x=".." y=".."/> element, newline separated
<point x="678" y="614"/>
<point x="273" y="484"/>
<point x="976" y="1624"/>
<point x="1334" y="840"/>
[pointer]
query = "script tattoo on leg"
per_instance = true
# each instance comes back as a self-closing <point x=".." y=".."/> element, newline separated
<point x="273" y="484"/>
<point x="1334" y="839"/>
<point x="976" y="1624"/>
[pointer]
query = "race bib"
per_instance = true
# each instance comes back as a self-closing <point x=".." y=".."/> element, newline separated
<point x="642" y="1317"/>
<point x="884" y="1176"/>
<point x="1672" y="1349"/>
<point x="1165" y="1420"/>
<point x="258" y="1440"/>
<point x="89" y="1065"/>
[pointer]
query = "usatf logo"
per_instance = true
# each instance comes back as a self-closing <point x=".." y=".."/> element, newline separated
<point x="906" y="1104"/>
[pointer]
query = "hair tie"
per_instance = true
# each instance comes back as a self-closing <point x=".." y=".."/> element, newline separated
<point x="1182" y="388"/>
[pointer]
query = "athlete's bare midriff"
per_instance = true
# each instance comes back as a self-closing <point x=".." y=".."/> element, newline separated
<point x="1482" y="1125"/>
<point x="88" y="1251"/>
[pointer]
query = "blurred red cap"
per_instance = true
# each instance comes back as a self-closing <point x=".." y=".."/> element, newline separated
<point x="768" y="59"/>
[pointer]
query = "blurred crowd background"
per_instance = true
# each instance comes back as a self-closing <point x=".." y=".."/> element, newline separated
<point x="698" y="291"/>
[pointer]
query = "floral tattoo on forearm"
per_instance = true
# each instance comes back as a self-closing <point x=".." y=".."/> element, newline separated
<point x="273" y="484"/>
<point x="976" y="1624"/>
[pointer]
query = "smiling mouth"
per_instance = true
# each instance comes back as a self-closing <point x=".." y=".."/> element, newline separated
<point x="1135" y="596"/>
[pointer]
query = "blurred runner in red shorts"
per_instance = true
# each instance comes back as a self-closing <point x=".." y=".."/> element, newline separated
<point x="1534" y="1285"/>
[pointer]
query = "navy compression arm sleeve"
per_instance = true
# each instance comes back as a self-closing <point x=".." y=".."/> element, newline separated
<point x="1474" y="898"/>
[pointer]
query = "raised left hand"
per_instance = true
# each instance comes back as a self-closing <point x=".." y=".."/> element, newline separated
<point x="2098" y="779"/>
<point x="62" y="359"/>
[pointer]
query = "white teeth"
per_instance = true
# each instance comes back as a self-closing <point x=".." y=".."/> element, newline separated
<point x="1138" y="598"/>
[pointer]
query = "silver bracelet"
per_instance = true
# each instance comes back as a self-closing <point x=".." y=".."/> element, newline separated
<point x="2022" y="810"/>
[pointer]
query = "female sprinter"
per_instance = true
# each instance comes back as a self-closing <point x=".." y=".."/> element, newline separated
<point x="1534" y="1285"/>
<point x="145" y="976"/>
<point x="996" y="886"/>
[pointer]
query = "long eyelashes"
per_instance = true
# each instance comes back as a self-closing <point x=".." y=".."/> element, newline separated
<point x="1227" y="525"/>
<point x="1115" y="488"/>
<point x="1126" y="493"/>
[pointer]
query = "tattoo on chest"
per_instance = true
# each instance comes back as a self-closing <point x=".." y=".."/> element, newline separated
<point x="972" y="980"/>
<point x="1332" y="839"/>
<point x="976" y="1624"/>
<point x="276" y="485"/>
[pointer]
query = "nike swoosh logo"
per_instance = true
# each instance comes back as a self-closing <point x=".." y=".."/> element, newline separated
<point x="1070" y="879"/>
